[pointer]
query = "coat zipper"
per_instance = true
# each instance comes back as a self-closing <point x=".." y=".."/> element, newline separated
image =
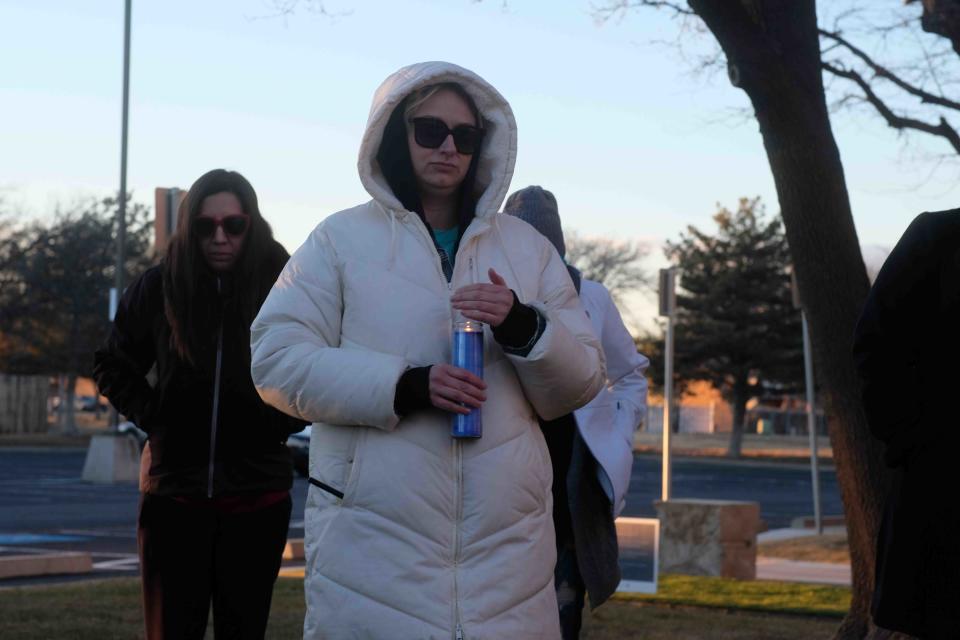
<point x="458" y="455"/>
<point x="214" y="418"/>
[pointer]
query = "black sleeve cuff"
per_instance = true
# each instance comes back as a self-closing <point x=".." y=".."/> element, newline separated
<point x="413" y="391"/>
<point x="521" y="329"/>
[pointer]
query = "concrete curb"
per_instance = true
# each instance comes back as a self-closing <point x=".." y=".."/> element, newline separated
<point x="808" y="522"/>
<point x="756" y="461"/>
<point x="44" y="564"/>
<point x="775" y="535"/>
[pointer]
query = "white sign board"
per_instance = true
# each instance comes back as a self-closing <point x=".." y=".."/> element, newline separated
<point x="639" y="541"/>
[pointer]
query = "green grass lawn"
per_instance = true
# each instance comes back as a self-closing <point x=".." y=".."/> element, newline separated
<point x="686" y="608"/>
<point x="755" y="595"/>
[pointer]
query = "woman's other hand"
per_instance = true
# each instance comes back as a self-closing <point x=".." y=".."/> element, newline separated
<point x="488" y="303"/>
<point x="454" y="389"/>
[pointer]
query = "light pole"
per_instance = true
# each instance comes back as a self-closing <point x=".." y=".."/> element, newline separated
<point x="117" y="290"/>
<point x="122" y="208"/>
<point x="811" y="405"/>
<point x="668" y="304"/>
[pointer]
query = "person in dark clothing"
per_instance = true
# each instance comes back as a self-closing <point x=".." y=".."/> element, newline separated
<point x="907" y="346"/>
<point x="216" y="500"/>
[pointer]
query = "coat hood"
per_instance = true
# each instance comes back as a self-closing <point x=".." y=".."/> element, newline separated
<point x="498" y="154"/>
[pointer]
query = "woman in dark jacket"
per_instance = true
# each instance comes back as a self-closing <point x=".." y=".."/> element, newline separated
<point x="216" y="504"/>
<point x="907" y="350"/>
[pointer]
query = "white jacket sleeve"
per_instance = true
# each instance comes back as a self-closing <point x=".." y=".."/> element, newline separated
<point x="626" y="367"/>
<point x="628" y="387"/>
<point x="297" y="362"/>
<point x="565" y="369"/>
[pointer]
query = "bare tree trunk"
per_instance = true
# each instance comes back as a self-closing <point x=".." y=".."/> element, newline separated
<point x="70" y="426"/>
<point x="69" y="415"/>
<point x="61" y="402"/>
<point x="741" y="394"/>
<point x="942" y="17"/>
<point x="773" y="54"/>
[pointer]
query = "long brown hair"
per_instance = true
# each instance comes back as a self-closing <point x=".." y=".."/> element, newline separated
<point x="188" y="308"/>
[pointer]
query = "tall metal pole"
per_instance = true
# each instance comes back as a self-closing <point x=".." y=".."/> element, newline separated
<point x="667" y="402"/>
<point x="122" y="199"/>
<point x="811" y="402"/>
<point x="668" y="304"/>
<point x="122" y="204"/>
<point x="812" y="424"/>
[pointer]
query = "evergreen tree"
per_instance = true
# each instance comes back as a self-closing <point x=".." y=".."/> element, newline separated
<point x="56" y="278"/>
<point x="735" y="324"/>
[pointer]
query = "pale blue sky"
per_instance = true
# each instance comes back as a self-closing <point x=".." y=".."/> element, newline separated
<point x="630" y="143"/>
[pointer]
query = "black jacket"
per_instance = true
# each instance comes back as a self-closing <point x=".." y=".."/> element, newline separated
<point x="582" y="510"/>
<point x="907" y="350"/>
<point x="183" y="415"/>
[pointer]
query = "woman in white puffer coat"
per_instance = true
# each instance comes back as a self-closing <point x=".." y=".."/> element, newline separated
<point x="409" y="532"/>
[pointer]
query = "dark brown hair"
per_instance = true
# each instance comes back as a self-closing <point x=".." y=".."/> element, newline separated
<point x="188" y="305"/>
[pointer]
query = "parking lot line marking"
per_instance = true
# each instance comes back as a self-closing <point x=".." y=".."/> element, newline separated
<point x="102" y="533"/>
<point x="36" y="538"/>
<point x="125" y="564"/>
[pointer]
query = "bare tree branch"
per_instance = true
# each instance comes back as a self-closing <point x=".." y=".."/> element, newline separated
<point x="882" y="72"/>
<point x="943" y="129"/>
<point x="287" y="8"/>
<point x="620" y="8"/>
<point x="942" y="17"/>
<point x="615" y="264"/>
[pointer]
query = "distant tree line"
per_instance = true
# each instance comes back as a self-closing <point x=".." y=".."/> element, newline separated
<point x="55" y="280"/>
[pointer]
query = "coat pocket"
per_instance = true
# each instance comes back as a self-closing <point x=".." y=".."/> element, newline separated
<point x="333" y="460"/>
<point x="323" y="486"/>
<point x="354" y="460"/>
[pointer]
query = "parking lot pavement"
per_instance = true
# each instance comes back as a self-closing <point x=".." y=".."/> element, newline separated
<point x="41" y="495"/>
<point x="45" y="507"/>
<point x="782" y="489"/>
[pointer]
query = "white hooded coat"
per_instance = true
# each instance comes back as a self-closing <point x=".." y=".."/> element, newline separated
<point x="433" y="537"/>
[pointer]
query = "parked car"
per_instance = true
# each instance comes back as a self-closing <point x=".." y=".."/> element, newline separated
<point x="81" y="403"/>
<point x="299" y="445"/>
<point x="90" y="403"/>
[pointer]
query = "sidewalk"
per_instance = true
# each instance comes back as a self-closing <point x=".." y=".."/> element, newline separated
<point x="793" y="571"/>
<point x="767" y="446"/>
<point x="784" y="570"/>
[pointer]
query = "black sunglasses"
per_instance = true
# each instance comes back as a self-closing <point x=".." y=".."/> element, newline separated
<point x="233" y="225"/>
<point x="431" y="132"/>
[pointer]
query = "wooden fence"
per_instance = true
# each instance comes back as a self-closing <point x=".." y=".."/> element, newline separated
<point x="23" y="403"/>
